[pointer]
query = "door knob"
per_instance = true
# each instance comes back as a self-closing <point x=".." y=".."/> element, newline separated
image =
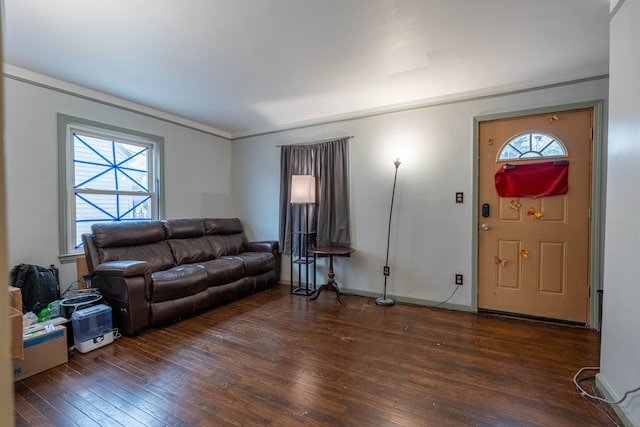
<point x="484" y="227"/>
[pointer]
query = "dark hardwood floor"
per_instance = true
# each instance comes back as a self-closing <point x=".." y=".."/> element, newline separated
<point x="274" y="359"/>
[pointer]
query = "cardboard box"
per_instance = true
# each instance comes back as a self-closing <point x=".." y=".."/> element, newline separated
<point x="15" y="322"/>
<point x="43" y="349"/>
<point x="15" y="298"/>
<point x="29" y="330"/>
<point x="83" y="272"/>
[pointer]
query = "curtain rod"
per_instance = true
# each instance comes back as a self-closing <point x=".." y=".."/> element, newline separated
<point x="316" y="142"/>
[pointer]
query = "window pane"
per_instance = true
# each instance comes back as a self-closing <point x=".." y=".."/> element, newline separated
<point x="531" y="145"/>
<point x="509" y="153"/>
<point x="81" y="228"/>
<point x="109" y="165"/>
<point x="92" y="208"/>
<point x="111" y="207"/>
<point x="530" y="154"/>
<point x="521" y="143"/>
<point x="554" y="149"/>
<point x="540" y="141"/>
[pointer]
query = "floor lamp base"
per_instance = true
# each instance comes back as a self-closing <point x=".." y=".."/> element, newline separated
<point x="385" y="301"/>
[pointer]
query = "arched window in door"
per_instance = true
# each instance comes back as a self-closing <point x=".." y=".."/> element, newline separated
<point x="531" y="145"/>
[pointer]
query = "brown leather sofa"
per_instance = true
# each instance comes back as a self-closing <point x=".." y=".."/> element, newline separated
<point x="155" y="272"/>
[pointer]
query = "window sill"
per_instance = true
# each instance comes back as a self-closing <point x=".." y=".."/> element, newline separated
<point x="69" y="258"/>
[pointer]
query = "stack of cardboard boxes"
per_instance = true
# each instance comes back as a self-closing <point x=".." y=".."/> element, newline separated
<point x="36" y="348"/>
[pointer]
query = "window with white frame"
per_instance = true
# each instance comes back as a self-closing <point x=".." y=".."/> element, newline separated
<point x="111" y="174"/>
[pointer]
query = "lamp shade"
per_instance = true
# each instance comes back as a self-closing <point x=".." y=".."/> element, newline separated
<point x="303" y="189"/>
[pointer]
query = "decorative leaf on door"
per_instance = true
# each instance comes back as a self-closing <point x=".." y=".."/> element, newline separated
<point x="524" y="253"/>
<point x="515" y="205"/>
<point x="500" y="262"/>
<point x="534" y="214"/>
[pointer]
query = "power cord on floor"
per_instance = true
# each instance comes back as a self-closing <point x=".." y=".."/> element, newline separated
<point x="450" y="296"/>
<point x="584" y="393"/>
<point x="68" y="287"/>
<point x="600" y="406"/>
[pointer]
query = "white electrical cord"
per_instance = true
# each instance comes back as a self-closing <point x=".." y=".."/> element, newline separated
<point x="583" y="392"/>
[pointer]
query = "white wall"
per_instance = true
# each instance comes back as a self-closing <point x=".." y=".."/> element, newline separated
<point x="197" y="168"/>
<point x="620" y="354"/>
<point x="431" y="236"/>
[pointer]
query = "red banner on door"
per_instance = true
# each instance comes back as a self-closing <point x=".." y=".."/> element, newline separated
<point x="533" y="179"/>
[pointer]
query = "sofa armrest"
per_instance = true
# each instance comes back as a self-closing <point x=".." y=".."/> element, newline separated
<point x="125" y="269"/>
<point x="263" y="246"/>
<point x="266" y="246"/>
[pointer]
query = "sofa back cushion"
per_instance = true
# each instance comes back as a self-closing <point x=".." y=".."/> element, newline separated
<point x="225" y="235"/>
<point x="128" y="233"/>
<point x="187" y="240"/>
<point x="135" y="240"/>
<point x="188" y="251"/>
<point x="231" y="244"/>
<point x="222" y="226"/>
<point x="184" y="228"/>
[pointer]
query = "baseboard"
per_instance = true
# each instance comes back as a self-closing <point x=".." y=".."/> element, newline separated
<point x="621" y="411"/>
<point x="408" y="300"/>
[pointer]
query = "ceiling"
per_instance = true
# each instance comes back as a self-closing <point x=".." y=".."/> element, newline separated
<point x="250" y="66"/>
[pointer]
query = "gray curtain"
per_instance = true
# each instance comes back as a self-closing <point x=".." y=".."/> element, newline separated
<point x="329" y="216"/>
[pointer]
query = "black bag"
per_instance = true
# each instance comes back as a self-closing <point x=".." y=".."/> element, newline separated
<point x="37" y="284"/>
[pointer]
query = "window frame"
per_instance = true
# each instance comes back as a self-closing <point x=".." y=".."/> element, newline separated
<point x="66" y="178"/>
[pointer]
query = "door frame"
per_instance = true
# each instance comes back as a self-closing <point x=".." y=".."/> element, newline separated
<point x="598" y="198"/>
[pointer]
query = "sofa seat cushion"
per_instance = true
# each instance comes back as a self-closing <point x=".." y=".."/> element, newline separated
<point x="178" y="282"/>
<point x="257" y="262"/>
<point x="222" y="271"/>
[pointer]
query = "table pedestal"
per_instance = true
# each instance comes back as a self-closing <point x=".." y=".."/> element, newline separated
<point x="331" y="283"/>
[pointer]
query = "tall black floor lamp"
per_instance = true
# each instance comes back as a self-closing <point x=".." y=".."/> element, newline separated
<point x="383" y="300"/>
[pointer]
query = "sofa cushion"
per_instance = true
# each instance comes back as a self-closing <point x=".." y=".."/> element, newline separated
<point x="184" y="228"/>
<point x="188" y="251"/>
<point x="228" y="244"/>
<point x="178" y="282"/>
<point x="158" y="254"/>
<point x="112" y="234"/>
<point x="222" y="271"/>
<point x="222" y="226"/>
<point x="257" y="262"/>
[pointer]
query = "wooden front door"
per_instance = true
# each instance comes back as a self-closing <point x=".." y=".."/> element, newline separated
<point x="534" y="252"/>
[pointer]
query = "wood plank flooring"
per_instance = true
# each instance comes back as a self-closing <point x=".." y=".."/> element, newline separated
<point x="275" y="359"/>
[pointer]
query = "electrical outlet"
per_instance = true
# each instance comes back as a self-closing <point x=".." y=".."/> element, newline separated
<point x="459" y="198"/>
<point x="386" y="270"/>
<point x="459" y="279"/>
